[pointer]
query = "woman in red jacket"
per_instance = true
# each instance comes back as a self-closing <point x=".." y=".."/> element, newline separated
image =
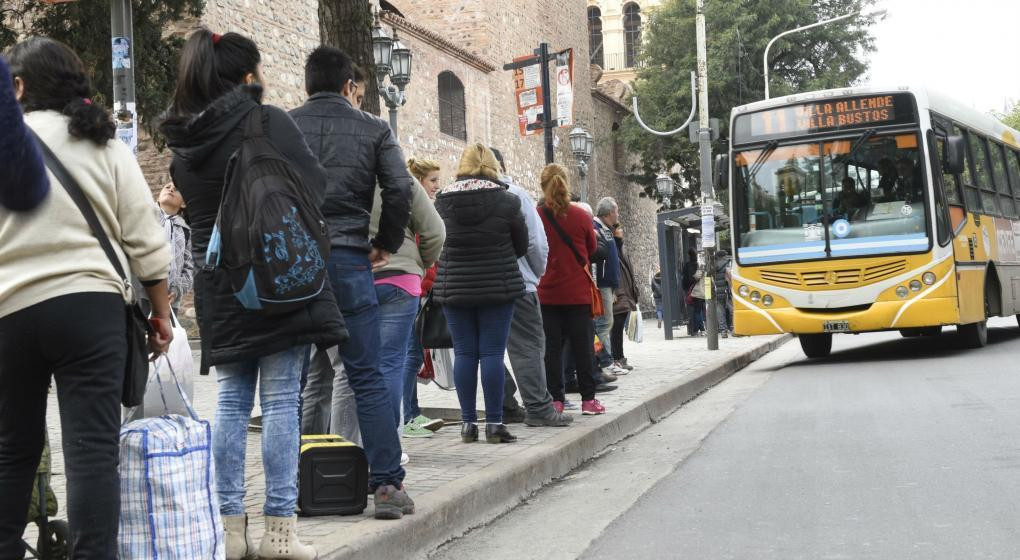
<point x="565" y="291"/>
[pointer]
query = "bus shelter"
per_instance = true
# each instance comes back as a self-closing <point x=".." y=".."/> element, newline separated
<point x="678" y="232"/>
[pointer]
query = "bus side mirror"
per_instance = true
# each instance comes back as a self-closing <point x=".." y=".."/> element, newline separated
<point x="722" y="172"/>
<point x="953" y="160"/>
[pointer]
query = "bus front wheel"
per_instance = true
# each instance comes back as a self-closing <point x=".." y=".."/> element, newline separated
<point x="974" y="335"/>
<point x="816" y="345"/>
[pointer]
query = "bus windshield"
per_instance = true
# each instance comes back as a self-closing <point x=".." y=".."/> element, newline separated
<point x="850" y="197"/>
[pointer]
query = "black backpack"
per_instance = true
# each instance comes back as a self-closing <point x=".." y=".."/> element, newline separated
<point x="269" y="236"/>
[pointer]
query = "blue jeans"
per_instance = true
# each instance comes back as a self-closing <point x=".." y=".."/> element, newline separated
<point x="350" y="273"/>
<point x="697" y="316"/>
<point x="479" y="337"/>
<point x="415" y="359"/>
<point x="397" y="310"/>
<point x="279" y="377"/>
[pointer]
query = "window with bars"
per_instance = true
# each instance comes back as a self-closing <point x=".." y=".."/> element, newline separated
<point x="452" y="117"/>
<point x="595" y="36"/>
<point x="631" y="33"/>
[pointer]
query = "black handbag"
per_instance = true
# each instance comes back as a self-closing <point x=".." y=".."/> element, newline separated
<point x="136" y="373"/>
<point x="430" y="325"/>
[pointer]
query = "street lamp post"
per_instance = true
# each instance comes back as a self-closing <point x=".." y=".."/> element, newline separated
<point x="664" y="184"/>
<point x="765" y="57"/>
<point x="392" y="58"/>
<point x="582" y="146"/>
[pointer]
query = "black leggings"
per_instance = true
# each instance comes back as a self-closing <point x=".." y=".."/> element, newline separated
<point x="572" y="323"/>
<point x="80" y="340"/>
<point x="616" y="338"/>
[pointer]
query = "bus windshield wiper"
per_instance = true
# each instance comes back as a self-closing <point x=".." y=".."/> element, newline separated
<point x="760" y="160"/>
<point x="864" y="137"/>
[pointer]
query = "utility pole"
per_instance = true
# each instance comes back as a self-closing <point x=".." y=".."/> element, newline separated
<point x="123" y="44"/>
<point x="707" y="194"/>
<point x="547" y="121"/>
<point x="542" y="58"/>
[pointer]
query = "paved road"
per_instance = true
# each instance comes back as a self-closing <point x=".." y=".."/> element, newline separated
<point x="892" y="448"/>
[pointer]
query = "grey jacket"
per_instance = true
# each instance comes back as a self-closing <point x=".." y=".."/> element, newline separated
<point x="532" y="264"/>
<point x="423" y="237"/>
<point x="357" y="150"/>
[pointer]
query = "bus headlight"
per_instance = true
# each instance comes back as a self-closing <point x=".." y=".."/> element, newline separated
<point x="755" y="297"/>
<point x="915" y="285"/>
<point x="928" y="278"/>
<point x="766" y="300"/>
<point x="744" y="291"/>
<point x="901" y="291"/>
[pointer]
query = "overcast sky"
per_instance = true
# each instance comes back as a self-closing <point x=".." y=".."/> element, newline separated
<point x="967" y="49"/>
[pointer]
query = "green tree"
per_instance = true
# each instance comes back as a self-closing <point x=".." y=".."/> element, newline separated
<point x="1012" y="118"/>
<point x="347" y="25"/>
<point x="737" y="33"/>
<point x="85" y="26"/>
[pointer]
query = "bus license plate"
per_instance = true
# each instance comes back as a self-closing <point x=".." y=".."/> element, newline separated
<point x="836" y="326"/>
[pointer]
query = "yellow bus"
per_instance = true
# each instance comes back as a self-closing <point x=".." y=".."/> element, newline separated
<point x="869" y="209"/>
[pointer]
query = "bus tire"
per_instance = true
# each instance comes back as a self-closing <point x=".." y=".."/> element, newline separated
<point x="816" y="345"/>
<point x="973" y="335"/>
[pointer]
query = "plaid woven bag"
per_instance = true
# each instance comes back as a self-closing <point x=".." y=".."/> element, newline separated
<point x="169" y="509"/>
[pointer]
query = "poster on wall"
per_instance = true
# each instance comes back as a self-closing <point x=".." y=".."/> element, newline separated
<point x="528" y="97"/>
<point x="565" y="88"/>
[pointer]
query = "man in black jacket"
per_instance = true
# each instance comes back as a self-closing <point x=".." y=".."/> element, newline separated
<point x="358" y="150"/>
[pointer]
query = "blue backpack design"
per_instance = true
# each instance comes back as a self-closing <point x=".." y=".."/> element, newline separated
<point x="269" y="236"/>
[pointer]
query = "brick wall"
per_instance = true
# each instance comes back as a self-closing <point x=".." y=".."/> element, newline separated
<point x="472" y="39"/>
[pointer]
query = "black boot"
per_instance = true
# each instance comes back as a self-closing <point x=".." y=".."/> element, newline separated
<point x="469" y="432"/>
<point x="497" y="433"/>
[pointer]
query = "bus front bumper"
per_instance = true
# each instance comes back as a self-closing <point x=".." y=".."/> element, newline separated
<point x="880" y="316"/>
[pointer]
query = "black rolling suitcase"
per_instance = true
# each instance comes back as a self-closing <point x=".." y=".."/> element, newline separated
<point x="332" y="477"/>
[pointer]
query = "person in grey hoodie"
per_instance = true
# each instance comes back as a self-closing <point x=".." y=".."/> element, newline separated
<point x="526" y="345"/>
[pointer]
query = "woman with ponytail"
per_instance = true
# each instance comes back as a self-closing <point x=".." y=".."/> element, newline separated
<point x="565" y="289"/>
<point x="62" y="302"/>
<point x="478" y="283"/>
<point x="219" y="85"/>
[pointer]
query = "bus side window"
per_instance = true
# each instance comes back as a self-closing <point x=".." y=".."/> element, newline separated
<point x="971" y="194"/>
<point x="999" y="176"/>
<point x="1013" y="171"/>
<point x="942" y="212"/>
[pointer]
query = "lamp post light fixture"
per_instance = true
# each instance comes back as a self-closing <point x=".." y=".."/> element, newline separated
<point x="765" y="58"/>
<point x="393" y="59"/>
<point x="582" y="146"/>
<point x="664" y="185"/>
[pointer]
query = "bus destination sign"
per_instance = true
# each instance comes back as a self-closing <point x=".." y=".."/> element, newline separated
<point x="825" y="116"/>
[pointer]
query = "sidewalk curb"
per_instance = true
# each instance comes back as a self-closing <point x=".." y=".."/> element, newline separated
<point x="452" y="510"/>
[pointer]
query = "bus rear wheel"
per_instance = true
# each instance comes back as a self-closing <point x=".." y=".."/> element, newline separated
<point x="816" y="345"/>
<point x="973" y="335"/>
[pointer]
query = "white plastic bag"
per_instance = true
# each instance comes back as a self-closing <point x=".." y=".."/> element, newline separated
<point x="442" y="363"/>
<point x="636" y="326"/>
<point x="180" y="357"/>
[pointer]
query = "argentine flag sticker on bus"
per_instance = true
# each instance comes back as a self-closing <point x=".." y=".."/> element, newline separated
<point x="841" y="228"/>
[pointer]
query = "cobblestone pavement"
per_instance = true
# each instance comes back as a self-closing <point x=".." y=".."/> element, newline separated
<point x="443" y="458"/>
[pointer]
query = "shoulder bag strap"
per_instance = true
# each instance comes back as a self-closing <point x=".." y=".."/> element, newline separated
<point x="563" y="235"/>
<point x="84" y="206"/>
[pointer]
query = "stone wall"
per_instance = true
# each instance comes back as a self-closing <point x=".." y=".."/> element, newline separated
<point x="472" y="39"/>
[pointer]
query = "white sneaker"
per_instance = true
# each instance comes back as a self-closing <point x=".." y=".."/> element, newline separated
<point x="617" y="370"/>
<point x="404" y="459"/>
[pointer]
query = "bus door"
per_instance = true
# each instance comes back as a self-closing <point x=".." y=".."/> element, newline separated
<point x="961" y="228"/>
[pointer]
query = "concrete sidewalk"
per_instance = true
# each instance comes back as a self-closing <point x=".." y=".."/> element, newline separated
<point x="458" y="486"/>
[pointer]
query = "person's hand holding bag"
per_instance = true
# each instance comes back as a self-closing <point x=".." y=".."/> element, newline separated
<point x="162" y="332"/>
